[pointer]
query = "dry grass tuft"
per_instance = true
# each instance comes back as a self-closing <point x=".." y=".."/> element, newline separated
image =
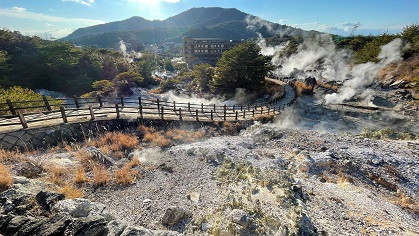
<point x="406" y="202"/>
<point x="168" y="137"/>
<point x="100" y="175"/>
<point x="302" y="88"/>
<point x="85" y="159"/>
<point x="71" y="191"/>
<point x="10" y="156"/>
<point x="115" y="142"/>
<point x="126" y="175"/>
<point x="265" y="118"/>
<point x="58" y="175"/>
<point x="157" y="138"/>
<point x="80" y="176"/>
<point x="6" y="179"/>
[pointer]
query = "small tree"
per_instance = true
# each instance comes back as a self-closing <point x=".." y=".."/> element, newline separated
<point x="203" y="74"/>
<point x="411" y="35"/>
<point x="123" y="82"/>
<point x="241" y="67"/>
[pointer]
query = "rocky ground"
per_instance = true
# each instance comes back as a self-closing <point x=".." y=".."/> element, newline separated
<point x="264" y="181"/>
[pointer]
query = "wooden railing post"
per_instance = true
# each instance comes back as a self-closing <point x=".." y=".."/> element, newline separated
<point x="63" y="115"/>
<point x="139" y="101"/>
<point x="215" y="108"/>
<point x="196" y="114"/>
<point x="22" y="119"/>
<point x="158" y="105"/>
<point x="180" y="114"/>
<point x="261" y="110"/>
<point x="141" y="111"/>
<point x="122" y="101"/>
<point x="11" y="108"/>
<point x="241" y="107"/>
<point x="244" y="114"/>
<point x="253" y="113"/>
<point x="174" y="105"/>
<point x="162" y="112"/>
<point x="256" y="106"/>
<point x="92" y="114"/>
<point x="234" y="108"/>
<point x="99" y="99"/>
<point x="76" y="102"/>
<point x="225" y="112"/>
<point x="46" y="103"/>
<point x="202" y="107"/>
<point x="212" y="115"/>
<point x="237" y="115"/>
<point x="117" y="111"/>
<point x="189" y="106"/>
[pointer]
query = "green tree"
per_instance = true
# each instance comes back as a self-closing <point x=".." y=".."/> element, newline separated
<point x="123" y="82"/>
<point x="168" y="65"/>
<point x="411" y="35"/>
<point x="241" y="67"/>
<point x="203" y="74"/>
<point x="371" y="50"/>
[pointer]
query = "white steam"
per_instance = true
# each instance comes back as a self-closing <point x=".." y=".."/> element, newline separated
<point x="129" y="56"/>
<point x="363" y="75"/>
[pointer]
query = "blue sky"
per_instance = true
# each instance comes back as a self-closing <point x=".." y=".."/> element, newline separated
<point x="60" y="17"/>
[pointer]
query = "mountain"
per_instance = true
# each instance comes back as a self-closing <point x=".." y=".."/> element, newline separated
<point x="227" y="23"/>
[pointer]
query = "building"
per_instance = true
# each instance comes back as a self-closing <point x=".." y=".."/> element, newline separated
<point x="205" y="50"/>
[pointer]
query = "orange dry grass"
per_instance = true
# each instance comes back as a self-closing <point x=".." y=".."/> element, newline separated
<point x="406" y="202"/>
<point x="327" y="85"/>
<point x="6" y="179"/>
<point x="80" y="176"/>
<point x="100" y="175"/>
<point x="10" y="156"/>
<point x="157" y="138"/>
<point x="58" y="175"/>
<point x="85" y="159"/>
<point x="117" y="141"/>
<point x="302" y="88"/>
<point x="184" y="135"/>
<point x="125" y="175"/>
<point x="166" y="138"/>
<point x="71" y="192"/>
<point x="405" y="70"/>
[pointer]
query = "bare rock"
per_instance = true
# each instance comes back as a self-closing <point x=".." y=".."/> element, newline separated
<point x="239" y="217"/>
<point x="174" y="215"/>
<point x="82" y="208"/>
<point x="47" y="199"/>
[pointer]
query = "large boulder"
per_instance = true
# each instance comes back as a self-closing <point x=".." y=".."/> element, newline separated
<point x="92" y="226"/>
<point x="79" y="207"/>
<point x="239" y="217"/>
<point x="47" y="199"/>
<point x="174" y="215"/>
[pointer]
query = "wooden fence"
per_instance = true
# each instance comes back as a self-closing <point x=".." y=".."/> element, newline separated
<point x="23" y="113"/>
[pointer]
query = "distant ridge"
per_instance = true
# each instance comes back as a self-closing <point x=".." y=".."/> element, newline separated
<point x="228" y="23"/>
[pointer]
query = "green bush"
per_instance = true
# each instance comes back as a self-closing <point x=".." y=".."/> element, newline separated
<point x="387" y="133"/>
<point x="18" y="94"/>
<point x="370" y="51"/>
<point x="241" y="67"/>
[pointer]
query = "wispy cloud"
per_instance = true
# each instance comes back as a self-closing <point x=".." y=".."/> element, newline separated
<point x="17" y="12"/>
<point x="39" y="23"/>
<point x="84" y="2"/>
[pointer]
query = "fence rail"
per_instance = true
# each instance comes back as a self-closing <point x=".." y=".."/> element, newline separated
<point x="22" y="113"/>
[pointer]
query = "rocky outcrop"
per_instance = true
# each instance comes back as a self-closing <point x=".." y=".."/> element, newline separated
<point x="49" y="214"/>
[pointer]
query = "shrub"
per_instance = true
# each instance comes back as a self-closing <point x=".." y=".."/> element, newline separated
<point x="302" y="88"/>
<point x="58" y="175"/>
<point x="157" y="138"/>
<point x="80" y="176"/>
<point x="71" y="191"/>
<point x="6" y="179"/>
<point x="100" y="175"/>
<point x="125" y="175"/>
<point x="10" y="156"/>
<point x="117" y="141"/>
<point x="16" y="94"/>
